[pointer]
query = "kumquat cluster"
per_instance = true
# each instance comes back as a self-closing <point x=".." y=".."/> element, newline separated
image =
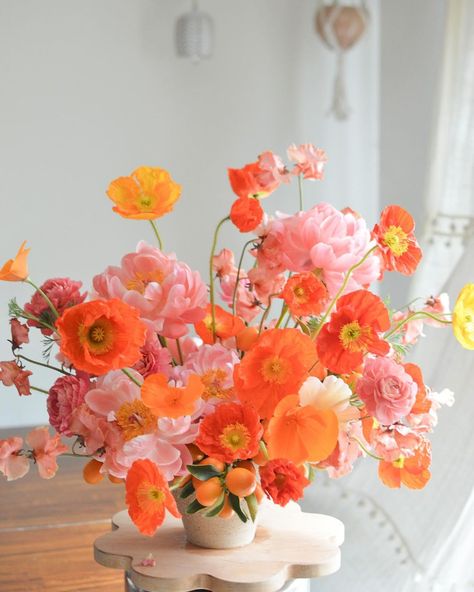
<point x="243" y="388"/>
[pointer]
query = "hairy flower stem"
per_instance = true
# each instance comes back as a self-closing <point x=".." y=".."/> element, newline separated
<point x="416" y="315"/>
<point x="242" y="255"/>
<point x="44" y="296"/>
<point x="21" y="357"/>
<point x="132" y="378"/>
<point x="157" y="234"/>
<point x="211" y="276"/>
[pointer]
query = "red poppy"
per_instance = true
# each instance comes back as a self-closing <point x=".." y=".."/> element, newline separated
<point x="282" y="481"/>
<point x="398" y="246"/>
<point x="246" y="213"/>
<point x="353" y="331"/>
<point x="252" y="181"/>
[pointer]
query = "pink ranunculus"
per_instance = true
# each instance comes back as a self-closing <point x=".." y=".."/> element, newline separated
<point x="341" y="460"/>
<point x="155" y="358"/>
<point x="265" y="283"/>
<point x="46" y="449"/>
<point x="310" y="161"/>
<point x="12" y="464"/>
<point x="63" y="293"/>
<point x="390" y="443"/>
<point x="65" y="396"/>
<point x="247" y="304"/>
<point x="387" y="390"/>
<point x="330" y="242"/>
<point x="20" y="333"/>
<point x="224" y="263"/>
<point x="164" y="290"/>
<point x="12" y="374"/>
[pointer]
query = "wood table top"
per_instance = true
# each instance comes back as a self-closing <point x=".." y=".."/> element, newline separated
<point x="48" y="527"/>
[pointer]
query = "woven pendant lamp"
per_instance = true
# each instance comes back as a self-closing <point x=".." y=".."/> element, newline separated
<point x="195" y="34"/>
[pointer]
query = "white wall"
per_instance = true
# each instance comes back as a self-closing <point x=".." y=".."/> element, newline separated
<point x="89" y="90"/>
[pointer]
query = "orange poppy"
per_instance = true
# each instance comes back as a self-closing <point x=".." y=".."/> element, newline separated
<point x="227" y="325"/>
<point x="301" y="434"/>
<point x="276" y="365"/>
<point x="148" y="193"/>
<point x="231" y="433"/>
<point x="251" y="181"/>
<point x="305" y="295"/>
<point x="16" y="270"/>
<point x="168" y="401"/>
<point x="422" y="402"/>
<point x="352" y="331"/>
<point x="398" y="246"/>
<point x="101" y="335"/>
<point x="246" y="213"/>
<point x="411" y="471"/>
<point x="148" y="496"/>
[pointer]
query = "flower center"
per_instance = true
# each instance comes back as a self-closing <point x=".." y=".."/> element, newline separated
<point x="140" y="280"/>
<point x="275" y="370"/>
<point x="99" y="337"/>
<point x="300" y="293"/>
<point x="150" y="497"/>
<point x="352" y="336"/>
<point x="146" y="202"/>
<point x="399" y="463"/>
<point x="396" y="240"/>
<point x="135" y="419"/>
<point x="280" y="480"/>
<point x="235" y="436"/>
<point x="214" y="381"/>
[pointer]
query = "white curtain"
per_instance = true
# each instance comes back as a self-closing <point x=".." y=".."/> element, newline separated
<point x="450" y="188"/>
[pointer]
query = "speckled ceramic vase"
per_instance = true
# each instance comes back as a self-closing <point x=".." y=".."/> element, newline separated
<point x="215" y="532"/>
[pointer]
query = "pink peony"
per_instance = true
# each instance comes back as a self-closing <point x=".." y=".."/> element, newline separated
<point x="20" y="333"/>
<point x="310" y="161"/>
<point x="111" y="391"/>
<point x="63" y="293"/>
<point x="164" y="290"/>
<point x="64" y="397"/>
<point x="12" y="464"/>
<point x="387" y="390"/>
<point x="12" y="374"/>
<point x="45" y="450"/>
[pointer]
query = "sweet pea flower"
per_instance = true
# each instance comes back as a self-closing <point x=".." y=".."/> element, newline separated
<point x="310" y="161"/>
<point x="20" y="333"/>
<point x="12" y="374"/>
<point x="393" y="442"/>
<point x="341" y="461"/>
<point x="46" y="449"/>
<point x="224" y="263"/>
<point x="12" y="464"/>
<point x="247" y="304"/>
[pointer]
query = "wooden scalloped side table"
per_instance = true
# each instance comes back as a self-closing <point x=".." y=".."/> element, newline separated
<point x="289" y="544"/>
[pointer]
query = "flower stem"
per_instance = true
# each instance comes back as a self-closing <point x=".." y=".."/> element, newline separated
<point x="416" y="315"/>
<point x="242" y="255"/>
<point x="38" y="390"/>
<point x="132" y="378"/>
<point x="211" y="276"/>
<point x="45" y="297"/>
<point x="157" y="234"/>
<point x="300" y="190"/>
<point x="180" y="352"/>
<point x="284" y="310"/>
<point x="342" y="288"/>
<point x="371" y="454"/>
<point x="20" y="356"/>
<point x="267" y="310"/>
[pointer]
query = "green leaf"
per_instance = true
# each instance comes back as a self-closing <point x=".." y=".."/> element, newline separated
<point x="203" y="472"/>
<point x="187" y="490"/>
<point x="194" y="507"/>
<point x="235" y="503"/>
<point x="217" y="507"/>
<point x="252" y="505"/>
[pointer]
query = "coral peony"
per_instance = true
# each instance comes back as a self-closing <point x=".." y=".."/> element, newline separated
<point x="276" y="365"/>
<point x="246" y="213"/>
<point x="305" y="295"/>
<point x="353" y="330"/>
<point x="148" y="193"/>
<point x="387" y="390"/>
<point x="46" y="449"/>
<point x="165" y="291"/>
<point x="282" y="481"/>
<point x="16" y="270"/>
<point x="64" y="397"/>
<point x="13" y="464"/>
<point x="310" y="161"/>
<point x="148" y="496"/>
<point x="231" y="432"/>
<point x="12" y="374"/>
<point x="100" y="336"/>
<point x="398" y="246"/>
<point x="63" y="293"/>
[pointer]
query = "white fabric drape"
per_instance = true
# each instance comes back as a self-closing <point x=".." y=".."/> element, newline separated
<point x="450" y="188"/>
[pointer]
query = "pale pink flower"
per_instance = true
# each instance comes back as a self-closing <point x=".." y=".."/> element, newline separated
<point x="247" y="304"/>
<point x="64" y="397"/>
<point x="390" y="443"/>
<point x="20" y="333"/>
<point x="12" y="374"/>
<point x="439" y="306"/>
<point x="411" y="331"/>
<point x="95" y="431"/>
<point x="387" y="390"/>
<point x="46" y="449"/>
<point x="269" y="252"/>
<point x="273" y="169"/>
<point x="341" y="460"/>
<point x="164" y="290"/>
<point x="111" y="391"/>
<point x="63" y="293"/>
<point x="12" y="464"/>
<point x="265" y="283"/>
<point x="310" y="161"/>
<point x="331" y="393"/>
<point x="224" y="263"/>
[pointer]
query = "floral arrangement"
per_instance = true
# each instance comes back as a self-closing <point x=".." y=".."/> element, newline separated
<point x="299" y="369"/>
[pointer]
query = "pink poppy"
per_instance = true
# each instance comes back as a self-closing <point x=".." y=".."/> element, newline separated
<point x="12" y="464"/>
<point x="46" y="449"/>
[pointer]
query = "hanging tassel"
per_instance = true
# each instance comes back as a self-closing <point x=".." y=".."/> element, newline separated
<point x="340" y="106"/>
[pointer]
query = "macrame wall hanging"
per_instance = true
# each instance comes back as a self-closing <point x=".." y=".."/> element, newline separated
<point x="195" y="34"/>
<point x="341" y="26"/>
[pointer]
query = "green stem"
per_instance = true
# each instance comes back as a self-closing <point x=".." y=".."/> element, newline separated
<point x="180" y="352"/>
<point x="416" y="315"/>
<point x="267" y="310"/>
<point x="242" y="255"/>
<point x="76" y="455"/>
<point x="211" y="275"/>
<point x="38" y="390"/>
<point x="284" y="310"/>
<point x="342" y="288"/>
<point x="45" y="297"/>
<point x="132" y="378"/>
<point x="371" y="454"/>
<point x="42" y="364"/>
<point x="300" y="190"/>
<point x="157" y="234"/>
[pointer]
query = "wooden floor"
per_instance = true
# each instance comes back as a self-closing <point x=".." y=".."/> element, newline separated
<point x="47" y="528"/>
